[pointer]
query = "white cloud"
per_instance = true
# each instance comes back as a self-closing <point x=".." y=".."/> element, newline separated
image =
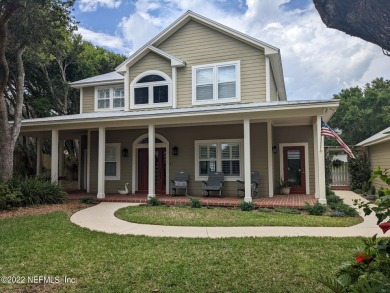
<point x="113" y="43"/>
<point x="317" y="61"/>
<point x="92" y="5"/>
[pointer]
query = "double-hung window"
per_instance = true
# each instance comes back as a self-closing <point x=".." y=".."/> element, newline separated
<point x="219" y="156"/>
<point x="151" y="89"/>
<point x="109" y="98"/>
<point x="216" y="83"/>
<point x="112" y="161"/>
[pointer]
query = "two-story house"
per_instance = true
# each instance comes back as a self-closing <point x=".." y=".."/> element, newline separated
<point x="199" y="97"/>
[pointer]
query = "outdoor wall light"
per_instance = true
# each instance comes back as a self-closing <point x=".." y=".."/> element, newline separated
<point x="274" y="149"/>
<point x="125" y="153"/>
<point x="175" y="151"/>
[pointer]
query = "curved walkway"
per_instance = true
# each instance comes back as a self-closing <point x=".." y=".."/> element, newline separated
<point x="101" y="218"/>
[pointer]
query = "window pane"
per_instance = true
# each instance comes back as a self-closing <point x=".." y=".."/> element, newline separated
<point x="226" y="167"/>
<point x="104" y="94"/>
<point x="213" y="151"/>
<point x="227" y="73"/>
<point x="226" y="90"/>
<point x="119" y="103"/>
<point x="205" y="76"/>
<point x="103" y="104"/>
<point x="160" y="94"/>
<point x="141" y="95"/>
<point x="203" y="152"/>
<point x="235" y="151"/>
<point x="231" y="168"/>
<point x="225" y="149"/>
<point x="204" y="92"/>
<point x="110" y="154"/>
<point x="151" y="78"/>
<point x="119" y="93"/>
<point x="110" y="169"/>
<point x="205" y="167"/>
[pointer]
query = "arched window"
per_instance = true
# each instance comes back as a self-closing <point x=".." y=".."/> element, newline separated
<point x="151" y="89"/>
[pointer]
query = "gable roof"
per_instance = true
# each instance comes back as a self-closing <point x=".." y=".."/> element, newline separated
<point x="379" y="137"/>
<point x="270" y="51"/>
<point x="107" y="78"/>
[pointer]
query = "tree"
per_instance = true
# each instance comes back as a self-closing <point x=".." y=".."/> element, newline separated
<point x="362" y="111"/>
<point x="366" y="19"/>
<point x="24" y="25"/>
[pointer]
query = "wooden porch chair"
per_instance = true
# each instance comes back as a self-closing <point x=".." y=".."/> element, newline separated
<point x="255" y="180"/>
<point x="215" y="182"/>
<point x="180" y="182"/>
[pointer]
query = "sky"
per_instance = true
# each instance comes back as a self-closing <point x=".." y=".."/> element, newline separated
<point x="318" y="62"/>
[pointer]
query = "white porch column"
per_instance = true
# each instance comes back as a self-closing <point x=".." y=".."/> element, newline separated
<point x="321" y="164"/>
<point x="270" y="160"/>
<point x="54" y="156"/>
<point x="39" y="156"/>
<point x="101" y="162"/>
<point x="88" y="160"/>
<point x="316" y="156"/>
<point x="174" y="87"/>
<point x="152" y="165"/>
<point x="61" y="158"/>
<point x="247" y="160"/>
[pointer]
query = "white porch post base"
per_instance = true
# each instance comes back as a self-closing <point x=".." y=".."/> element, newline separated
<point x="101" y="195"/>
<point x="152" y="158"/>
<point x="322" y="200"/>
<point x="247" y="161"/>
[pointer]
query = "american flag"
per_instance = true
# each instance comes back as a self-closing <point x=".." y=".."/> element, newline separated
<point x="327" y="131"/>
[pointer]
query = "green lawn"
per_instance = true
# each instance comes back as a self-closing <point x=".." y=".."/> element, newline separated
<point x="205" y="217"/>
<point x="51" y="245"/>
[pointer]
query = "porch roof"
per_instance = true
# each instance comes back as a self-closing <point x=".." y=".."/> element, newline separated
<point x="187" y="112"/>
<point x="379" y="137"/>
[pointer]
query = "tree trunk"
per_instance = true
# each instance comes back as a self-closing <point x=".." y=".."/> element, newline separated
<point x="366" y="19"/>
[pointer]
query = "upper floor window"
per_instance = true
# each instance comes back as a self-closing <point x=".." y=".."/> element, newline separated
<point x="151" y="89"/>
<point x="109" y="98"/>
<point x="216" y="83"/>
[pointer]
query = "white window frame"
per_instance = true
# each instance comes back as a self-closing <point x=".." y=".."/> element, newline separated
<point x="111" y="89"/>
<point x="219" y="142"/>
<point x="215" y="99"/>
<point x="150" y="104"/>
<point x="118" y="161"/>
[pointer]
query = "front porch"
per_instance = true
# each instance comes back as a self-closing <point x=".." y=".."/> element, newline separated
<point x="293" y="201"/>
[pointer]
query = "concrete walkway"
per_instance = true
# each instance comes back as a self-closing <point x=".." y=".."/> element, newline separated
<point x="101" y="218"/>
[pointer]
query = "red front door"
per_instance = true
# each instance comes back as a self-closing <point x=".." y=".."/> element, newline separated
<point x="294" y="168"/>
<point x="143" y="170"/>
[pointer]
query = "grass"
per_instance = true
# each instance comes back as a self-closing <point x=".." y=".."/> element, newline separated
<point x="222" y="217"/>
<point x="51" y="245"/>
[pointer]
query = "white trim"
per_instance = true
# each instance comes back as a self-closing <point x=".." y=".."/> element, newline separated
<point x="174" y="87"/>
<point x="127" y="90"/>
<point x="321" y="164"/>
<point x="267" y="80"/>
<point x="215" y="99"/>
<point x="81" y="100"/>
<point x="218" y="160"/>
<point x="281" y="161"/>
<point x="89" y="161"/>
<point x="111" y="98"/>
<point x="270" y="160"/>
<point x="175" y="62"/>
<point x="136" y="146"/>
<point x="247" y="161"/>
<point x="118" y="161"/>
<point x="54" y="155"/>
<point x="150" y="85"/>
<point x="316" y="157"/>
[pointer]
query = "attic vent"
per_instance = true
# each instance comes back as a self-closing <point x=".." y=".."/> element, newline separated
<point x="151" y="78"/>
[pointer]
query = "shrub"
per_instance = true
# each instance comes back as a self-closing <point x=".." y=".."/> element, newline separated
<point x="287" y="211"/>
<point x="365" y="186"/>
<point x="195" y="202"/>
<point x="371" y="196"/>
<point x="346" y="209"/>
<point x="360" y="171"/>
<point x="329" y="191"/>
<point x="316" y="210"/>
<point x="333" y="199"/>
<point x="154" y="201"/>
<point x="358" y="191"/>
<point x="88" y="200"/>
<point x="372" y="190"/>
<point x="337" y="214"/>
<point x="247" y="206"/>
<point x="39" y="191"/>
<point x="9" y="196"/>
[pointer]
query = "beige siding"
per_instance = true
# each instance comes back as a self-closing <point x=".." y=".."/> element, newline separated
<point x="88" y="99"/>
<point x="294" y="134"/>
<point x="197" y="44"/>
<point x="379" y="155"/>
<point x="184" y="139"/>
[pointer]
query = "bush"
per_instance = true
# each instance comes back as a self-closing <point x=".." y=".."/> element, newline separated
<point x="195" y="202"/>
<point x="9" y="196"/>
<point x="358" y="191"/>
<point x="316" y="210"/>
<point x="38" y="191"/>
<point x="154" y="201"/>
<point x="247" y="206"/>
<point x="360" y="171"/>
<point x="333" y="199"/>
<point x="371" y="196"/>
<point x="346" y="209"/>
<point x="287" y="211"/>
<point x="337" y="214"/>
<point x="88" y="200"/>
<point x="365" y="186"/>
<point x="372" y="190"/>
<point x="329" y="191"/>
